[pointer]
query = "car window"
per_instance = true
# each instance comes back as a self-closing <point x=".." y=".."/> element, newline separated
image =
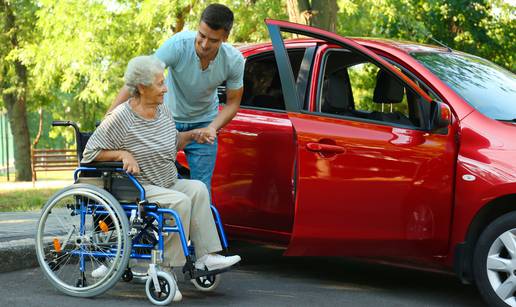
<point x="352" y="86"/>
<point x="262" y="84"/>
<point x="485" y="86"/>
<point x="423" y="86"/>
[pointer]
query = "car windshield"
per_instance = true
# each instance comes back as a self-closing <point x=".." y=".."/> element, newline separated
<point x="485" y="86"/>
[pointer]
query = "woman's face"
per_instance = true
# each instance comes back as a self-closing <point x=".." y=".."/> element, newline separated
<point x="154" y="93"/>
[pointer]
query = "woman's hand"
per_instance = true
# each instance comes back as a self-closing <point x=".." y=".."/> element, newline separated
<point x="200" y="135"/>
<point x="205" y="135"/>
<point x="130" y="164"/>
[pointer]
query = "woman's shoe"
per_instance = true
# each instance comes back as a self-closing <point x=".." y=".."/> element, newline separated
<point x="216" y="262"/>
<point x="177" y="296"/>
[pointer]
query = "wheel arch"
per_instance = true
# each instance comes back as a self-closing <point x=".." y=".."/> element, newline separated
<point x="463" y="263"/>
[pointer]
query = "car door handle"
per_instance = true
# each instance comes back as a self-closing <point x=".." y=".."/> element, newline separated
<point x="325" y="148"/>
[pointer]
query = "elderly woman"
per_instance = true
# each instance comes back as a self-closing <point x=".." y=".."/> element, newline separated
<point x="142" y="134"/>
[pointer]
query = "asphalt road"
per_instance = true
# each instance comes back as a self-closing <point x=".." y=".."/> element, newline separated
<point x="266" y="279"/>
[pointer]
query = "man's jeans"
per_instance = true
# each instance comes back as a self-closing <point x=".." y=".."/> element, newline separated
<point x="201" y="157"/>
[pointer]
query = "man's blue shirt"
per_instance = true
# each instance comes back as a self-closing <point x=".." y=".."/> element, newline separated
<point x="192" y="92"/>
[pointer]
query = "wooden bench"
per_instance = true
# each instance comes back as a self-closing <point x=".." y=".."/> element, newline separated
<point x="53" y="160"/>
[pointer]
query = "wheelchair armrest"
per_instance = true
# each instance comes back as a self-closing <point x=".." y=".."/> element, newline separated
<point x="104" y="164"/>
<point x="123" y="187"/>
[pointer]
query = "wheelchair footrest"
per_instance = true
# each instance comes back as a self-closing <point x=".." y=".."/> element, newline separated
<point x="201" y="273"/>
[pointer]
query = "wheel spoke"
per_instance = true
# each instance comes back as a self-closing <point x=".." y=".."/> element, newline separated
<point x="65" y="228"/>
<point x="508" y="241"/>
<point x="59" y="260"/>
<point x="507" y="288"/>
<point x="495" y="263"/>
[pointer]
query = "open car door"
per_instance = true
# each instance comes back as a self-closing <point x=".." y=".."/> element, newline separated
<point x="364" y="186"/>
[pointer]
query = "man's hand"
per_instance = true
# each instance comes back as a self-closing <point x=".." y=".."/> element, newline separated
<point x="205" y="135"/>
<point x="130" y="164"/>
<point x="225" y="116"/>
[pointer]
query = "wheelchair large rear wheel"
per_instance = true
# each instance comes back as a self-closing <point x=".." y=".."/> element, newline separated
<point x="82" y="242"/>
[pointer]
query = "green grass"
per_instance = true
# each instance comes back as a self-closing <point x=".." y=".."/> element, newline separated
<point x="54" y="175"/>
<point x="57" y="175"/>
<point x="24" y="199"/>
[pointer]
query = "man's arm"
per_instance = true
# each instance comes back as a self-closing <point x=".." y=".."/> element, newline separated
<point x="122" y="96"/>
<point x="225" y="115"/>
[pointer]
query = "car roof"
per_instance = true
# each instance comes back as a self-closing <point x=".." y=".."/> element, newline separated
<point x="377" y="43"/>
<point x="406" y="46"/>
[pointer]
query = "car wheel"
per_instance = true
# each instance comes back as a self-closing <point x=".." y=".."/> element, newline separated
<point x="494" y="262"/>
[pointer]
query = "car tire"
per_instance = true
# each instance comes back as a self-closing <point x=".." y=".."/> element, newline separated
<point x="494" y="262"/>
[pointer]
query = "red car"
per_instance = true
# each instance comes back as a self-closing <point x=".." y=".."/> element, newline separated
<point x="375" y="148"/>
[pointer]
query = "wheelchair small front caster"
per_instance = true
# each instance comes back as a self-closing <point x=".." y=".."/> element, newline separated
<point x="128" y="275"/>
<point x="167" y="289"/>
<point x="206" y="283"/>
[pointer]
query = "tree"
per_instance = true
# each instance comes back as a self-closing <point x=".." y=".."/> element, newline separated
<point x="486" y="28"/>
<point x="84" y="46"/>
<point x="16" y="18"/>
<point x="317" y="13"/>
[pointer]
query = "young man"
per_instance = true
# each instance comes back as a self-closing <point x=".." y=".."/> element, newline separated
<point x="197" y="63"/>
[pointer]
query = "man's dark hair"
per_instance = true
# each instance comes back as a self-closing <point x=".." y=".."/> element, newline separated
<point x="218" y="16"/>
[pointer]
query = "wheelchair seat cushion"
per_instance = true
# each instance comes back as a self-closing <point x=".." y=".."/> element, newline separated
<point x="121" y="187"/>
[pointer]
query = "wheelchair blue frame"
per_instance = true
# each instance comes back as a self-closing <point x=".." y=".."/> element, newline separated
<point x="150" y="210"/>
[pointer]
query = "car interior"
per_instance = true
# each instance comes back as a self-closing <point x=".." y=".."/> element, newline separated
<point x="262" y="83"/>
<point x="371" y="94"/>
<point x="350" y="86"/>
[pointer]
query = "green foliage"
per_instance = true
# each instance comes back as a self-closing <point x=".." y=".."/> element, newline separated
<point x="15" y="35"/>
<point x="82" y="52"/>
<point x="50" y="137"/>
<point x="363" y="82"/>
<point x="83" y="47"/>
<point x="486" y="28"/>
<point x="249" y="17"/>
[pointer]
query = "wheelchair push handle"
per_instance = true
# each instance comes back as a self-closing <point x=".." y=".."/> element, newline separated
<point x="65" y="123"/>
<point x="62" y="123"/>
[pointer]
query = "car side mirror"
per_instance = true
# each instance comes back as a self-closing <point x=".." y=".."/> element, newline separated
<point x="440" y="117"/>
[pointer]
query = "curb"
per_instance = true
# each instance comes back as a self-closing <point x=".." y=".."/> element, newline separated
<point x="17" y="255"/>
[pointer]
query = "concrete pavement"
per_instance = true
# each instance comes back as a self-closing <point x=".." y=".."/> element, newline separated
<point x="18" y="229"/>
<point x="17" y="237"/>
<point x="264" y="278"/>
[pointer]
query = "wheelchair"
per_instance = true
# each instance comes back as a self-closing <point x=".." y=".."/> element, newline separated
<point x="104" y="219"/>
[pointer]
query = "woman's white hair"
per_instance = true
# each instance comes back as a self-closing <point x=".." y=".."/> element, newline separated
<point x="142" y="70"/>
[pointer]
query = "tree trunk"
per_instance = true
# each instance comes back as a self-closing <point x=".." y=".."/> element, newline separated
<point x="317" y="13"/>
<point x="16" y="111"/>
<point x="299" y="11"/>
<point x="181" y="15"/>
<point x="15" y="102"/>
<point x="33" y="147"/>
<point x="324" y="14"/>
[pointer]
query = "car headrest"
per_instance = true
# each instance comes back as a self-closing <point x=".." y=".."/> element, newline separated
<point x="338" y="91"/>
<point x="388" y="89"/>
<point x="248" y="90"/>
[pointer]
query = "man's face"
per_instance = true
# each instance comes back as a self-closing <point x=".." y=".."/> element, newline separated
<point x="208" y="41"/>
